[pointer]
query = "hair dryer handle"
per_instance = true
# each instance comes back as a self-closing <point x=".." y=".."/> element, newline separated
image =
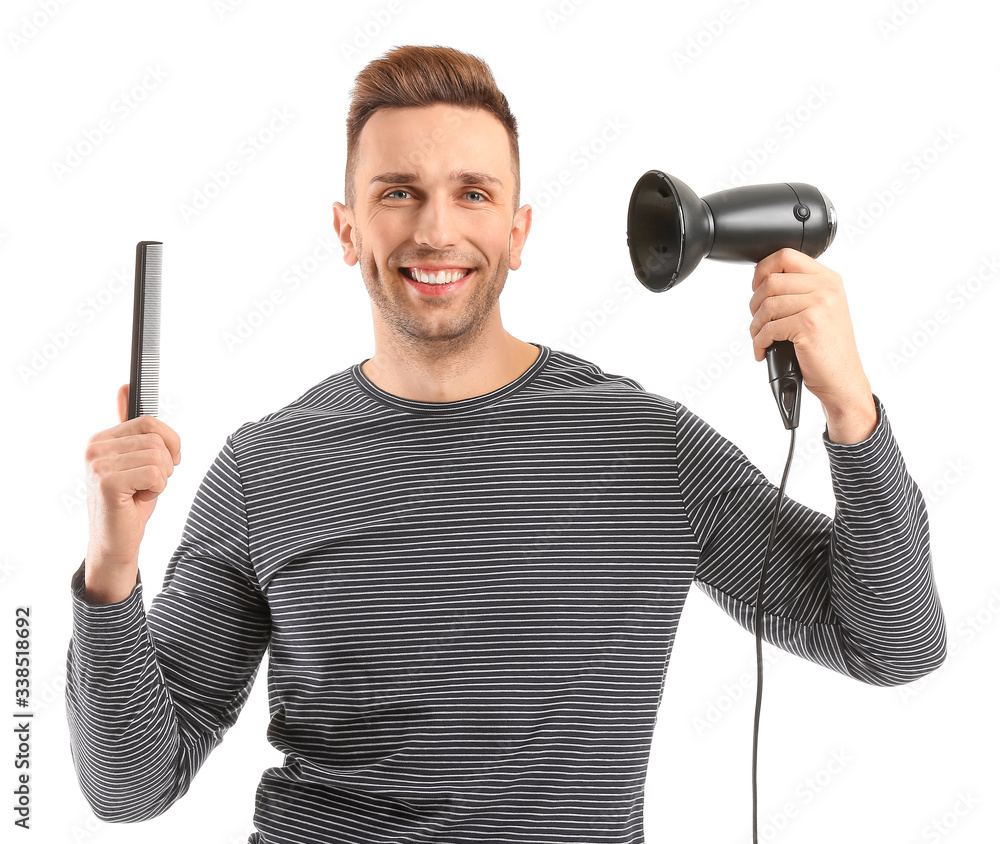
<point x="786" y="380"/>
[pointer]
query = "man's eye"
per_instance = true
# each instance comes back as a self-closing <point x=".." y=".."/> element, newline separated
<point x="398" y="190"/>
<point x="475" y="193"/>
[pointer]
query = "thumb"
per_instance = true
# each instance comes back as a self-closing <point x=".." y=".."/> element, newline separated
<point x="123" y="402"/>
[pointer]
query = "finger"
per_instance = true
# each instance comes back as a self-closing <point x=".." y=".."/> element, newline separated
<point x="781" y="284"/>
<point x="123" y="402"/>
<point x="116" y="454"/>
<point x="772" y="331"/>
<point x="147" y="479"/>
<point x="152" y="425"/>
<point x="779" y="307"/>
<point x="116" y="487"/>
<point x="151" y="456"/>
<point x="147" y="444"/>
<point x="144" y="425"/>
<point x="785" y="261"/>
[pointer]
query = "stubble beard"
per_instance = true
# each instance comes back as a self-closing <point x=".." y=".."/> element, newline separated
<point x="418" y="327"/>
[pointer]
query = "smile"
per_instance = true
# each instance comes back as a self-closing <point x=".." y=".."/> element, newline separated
<point x="435" y="276"/>
<point x="436" y="282"/>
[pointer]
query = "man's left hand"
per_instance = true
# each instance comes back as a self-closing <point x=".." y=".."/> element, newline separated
<point x="797" y="298"/>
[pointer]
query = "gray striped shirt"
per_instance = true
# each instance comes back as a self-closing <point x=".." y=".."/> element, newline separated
<point x="469" y="606"/>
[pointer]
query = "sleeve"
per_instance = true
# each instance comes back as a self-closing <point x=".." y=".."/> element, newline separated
<point x="855" y="593"/>
<point x="149" y="695"/>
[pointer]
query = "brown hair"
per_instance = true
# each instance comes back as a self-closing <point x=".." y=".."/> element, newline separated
<point x="411" y="76"/>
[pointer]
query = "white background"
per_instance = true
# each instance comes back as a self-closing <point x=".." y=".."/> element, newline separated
<point x="849" y="97"/>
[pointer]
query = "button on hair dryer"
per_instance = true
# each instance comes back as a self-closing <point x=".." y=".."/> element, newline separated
<point x="670" y="229"/>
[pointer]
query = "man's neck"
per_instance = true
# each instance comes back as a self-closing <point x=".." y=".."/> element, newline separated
<point x="475" y="371"/>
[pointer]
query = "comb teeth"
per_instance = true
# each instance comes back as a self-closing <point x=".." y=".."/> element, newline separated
<point x="144" y="380"/>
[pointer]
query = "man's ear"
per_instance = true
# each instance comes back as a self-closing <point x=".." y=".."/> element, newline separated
<point x="518" y="234"/>
<point x="343" y="224"/>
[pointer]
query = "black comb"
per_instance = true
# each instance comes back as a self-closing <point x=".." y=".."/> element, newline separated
<point x="144" y="379"/>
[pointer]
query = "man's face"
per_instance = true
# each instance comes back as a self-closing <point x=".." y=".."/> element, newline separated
<point x="434" y="190"/>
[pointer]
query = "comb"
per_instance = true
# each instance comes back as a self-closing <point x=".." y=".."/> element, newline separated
<point x="144" y="378"/>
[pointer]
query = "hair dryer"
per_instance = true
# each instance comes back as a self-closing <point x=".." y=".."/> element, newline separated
<point x="670" y="229"/>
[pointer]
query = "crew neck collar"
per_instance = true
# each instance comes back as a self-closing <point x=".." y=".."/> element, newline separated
<point x="450" y="407"/>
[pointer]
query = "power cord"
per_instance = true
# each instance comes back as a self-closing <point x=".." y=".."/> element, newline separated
<point x="759" y="623"/>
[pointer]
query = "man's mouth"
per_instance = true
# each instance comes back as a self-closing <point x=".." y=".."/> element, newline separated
<point x="442" y="276"/>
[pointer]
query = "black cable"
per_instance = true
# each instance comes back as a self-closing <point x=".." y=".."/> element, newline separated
<point x="759" y="623"/>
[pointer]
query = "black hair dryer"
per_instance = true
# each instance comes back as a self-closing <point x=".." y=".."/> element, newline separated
<point x="670" y="229"/>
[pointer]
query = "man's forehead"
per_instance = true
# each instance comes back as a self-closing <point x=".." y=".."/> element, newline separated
<point x="435" y="140"/>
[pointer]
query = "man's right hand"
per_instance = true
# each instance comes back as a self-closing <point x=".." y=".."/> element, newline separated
<point x="127" y="468"/>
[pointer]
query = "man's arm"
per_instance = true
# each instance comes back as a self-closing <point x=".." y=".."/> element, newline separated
<point x="148" y="696"/>
<point x="854" y="593"/>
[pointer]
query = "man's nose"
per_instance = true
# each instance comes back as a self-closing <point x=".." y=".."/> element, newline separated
<point x="436" y="222"/>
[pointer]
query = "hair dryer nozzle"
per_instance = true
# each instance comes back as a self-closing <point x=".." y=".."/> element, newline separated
<point x="669" y="230"/>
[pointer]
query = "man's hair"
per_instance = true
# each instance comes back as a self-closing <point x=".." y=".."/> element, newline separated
<point x="409" y="77"/>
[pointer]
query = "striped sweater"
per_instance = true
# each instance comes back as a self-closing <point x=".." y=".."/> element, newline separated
<point x="469" y="606"/>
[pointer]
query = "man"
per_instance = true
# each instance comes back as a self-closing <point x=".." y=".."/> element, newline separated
<point x="467" y="556"/>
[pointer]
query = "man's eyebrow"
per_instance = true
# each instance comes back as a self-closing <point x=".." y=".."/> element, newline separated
<point x="464" y="177"/>
<point x="476" y="177"/>
<point x="392" y="177"/>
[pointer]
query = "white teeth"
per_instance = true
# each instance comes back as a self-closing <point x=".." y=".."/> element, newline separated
<point x="440" y="277"/>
